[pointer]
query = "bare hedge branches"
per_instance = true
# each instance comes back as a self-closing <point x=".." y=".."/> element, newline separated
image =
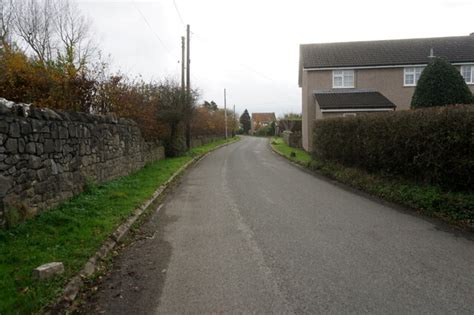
<point x="73" y="31"/>
<point x="33" y="23"/>
<point x="49" y="30"/>
<point x="6" y="17"/>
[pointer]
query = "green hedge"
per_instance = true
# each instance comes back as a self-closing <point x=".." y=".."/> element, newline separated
<point x="266" y="131"/>
<point x="434" y="145"/>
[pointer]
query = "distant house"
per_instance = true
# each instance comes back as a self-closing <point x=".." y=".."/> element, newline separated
<point x="347" y="79"/>
<point x="260" y="120"/>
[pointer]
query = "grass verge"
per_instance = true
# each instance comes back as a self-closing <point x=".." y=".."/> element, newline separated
<point x="296" y="155"/>
<point x="453" y="207"/>
<point x="74" y="231"/>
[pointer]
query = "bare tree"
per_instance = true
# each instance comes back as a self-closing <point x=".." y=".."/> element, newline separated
<point x="175" y="107"/>
<point x="53" y="30"/>
<point x="33" y="21"/>
<point x="74" y="34"/>
<point x="6" y="17"/>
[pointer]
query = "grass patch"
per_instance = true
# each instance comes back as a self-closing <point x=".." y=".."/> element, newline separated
<point x="74" y="231"/>
<point x="453" y="207"/>
<point x="296" y="155"/>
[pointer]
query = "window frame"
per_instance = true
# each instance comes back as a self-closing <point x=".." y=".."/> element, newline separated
<point x="342" y="75"/>
<point x="461" y="69"/>
<point x="415" y="80"/>
<point x="349" y="115"/>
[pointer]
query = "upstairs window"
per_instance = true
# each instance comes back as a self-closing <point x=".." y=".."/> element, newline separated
<point x="342" y="79"/>
<point x="468" y="74"/>
<point x="412" y="75"/>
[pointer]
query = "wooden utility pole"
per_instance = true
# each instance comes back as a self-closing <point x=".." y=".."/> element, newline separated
<point x="233" y="124"/>
<point x="183" y="56"/>
<point x="188" y="88"/>
<point x="188" y="61"/>
<point x="225" y="112"/>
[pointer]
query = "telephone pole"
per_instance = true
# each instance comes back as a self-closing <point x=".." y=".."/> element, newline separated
<point x="188" y="88"/>
<point x="188" y="61"/>
<point x="182" y="62"/>
<point x="233" y="124"/>
<point x="225" y="112"/>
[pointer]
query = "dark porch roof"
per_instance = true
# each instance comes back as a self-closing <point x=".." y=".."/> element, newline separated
<point x="353" y="99"/>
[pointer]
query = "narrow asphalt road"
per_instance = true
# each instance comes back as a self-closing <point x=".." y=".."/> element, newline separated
<point x="246" y="232"/>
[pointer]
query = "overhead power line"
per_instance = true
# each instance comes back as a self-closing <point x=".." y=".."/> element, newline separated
<point x="242" y="65"/>
<point x="151" y="29"/>
<point x="177" y="11"/>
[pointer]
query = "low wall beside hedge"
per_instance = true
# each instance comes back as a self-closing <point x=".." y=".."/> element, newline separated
<point x="293" y="139"/>
<point x="48" y="156"/>
<point x="434" y="146"/>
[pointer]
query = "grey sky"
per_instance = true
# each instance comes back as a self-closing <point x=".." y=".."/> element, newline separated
<point x="251" y="47"/>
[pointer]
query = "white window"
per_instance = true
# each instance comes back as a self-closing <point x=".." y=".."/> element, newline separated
<point x="342" y="79"/>
<point x="412" y="75"/>
<point x="349" y="115"/>
<point x="468" y="74"/>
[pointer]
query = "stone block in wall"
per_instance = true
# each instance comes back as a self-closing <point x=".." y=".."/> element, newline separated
<point x="5" y="185"/>
<point x="34" y="162"/>
<point x="54" y="133"/>
<point x="21" y="145"/>
<point x="73" y="132"/>
<point x="49" y="146"/>
<point x="63" y="132"/>
<point x="4" y="126"/>
<point x="14" y="130"/>
<point x="39" y="149"/>
<point x="11" y="145"/>
<point x="30" y="148"/>
<point x="25" y="127"/>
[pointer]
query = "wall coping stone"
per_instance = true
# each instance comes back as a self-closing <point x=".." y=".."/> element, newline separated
<point x="9" y="108"/>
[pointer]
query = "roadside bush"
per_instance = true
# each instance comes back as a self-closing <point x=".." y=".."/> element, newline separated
<point x="293" y="125"/>
<point x="211" y="121"/>
<point x="441" y="84"/>
<point x="175" y="146"/>
<point x="433" y="145"/>
<point x="266" y="131"/>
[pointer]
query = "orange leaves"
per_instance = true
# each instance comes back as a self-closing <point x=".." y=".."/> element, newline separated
<point x="157" y="108"/>
<point x="26" y="80"/>
<point x="207" y="121"/>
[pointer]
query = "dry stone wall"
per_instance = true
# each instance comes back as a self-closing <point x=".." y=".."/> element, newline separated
<point x="203" y="140"/>
<point x="47" y="156"/>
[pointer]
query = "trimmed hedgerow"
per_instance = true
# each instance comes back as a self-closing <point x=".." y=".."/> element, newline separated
<point x="434" y="145"/>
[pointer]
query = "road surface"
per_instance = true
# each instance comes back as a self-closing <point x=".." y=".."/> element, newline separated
<point x="247" y="232"/>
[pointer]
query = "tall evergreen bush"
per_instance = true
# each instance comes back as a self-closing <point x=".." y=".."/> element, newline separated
<point x="441" y="84"/>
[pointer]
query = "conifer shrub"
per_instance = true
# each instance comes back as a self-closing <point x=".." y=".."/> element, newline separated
<point x="441" y="84"/>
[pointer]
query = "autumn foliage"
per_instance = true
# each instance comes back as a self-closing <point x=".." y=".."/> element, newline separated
<point x="47" y="60"/>
<point x="24" y="79"/>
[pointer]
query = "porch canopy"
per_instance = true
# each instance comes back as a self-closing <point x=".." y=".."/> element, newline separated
<point x="353" y="101"/>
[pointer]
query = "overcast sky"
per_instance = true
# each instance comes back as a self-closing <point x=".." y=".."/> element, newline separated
<point x="251" y="47"/>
